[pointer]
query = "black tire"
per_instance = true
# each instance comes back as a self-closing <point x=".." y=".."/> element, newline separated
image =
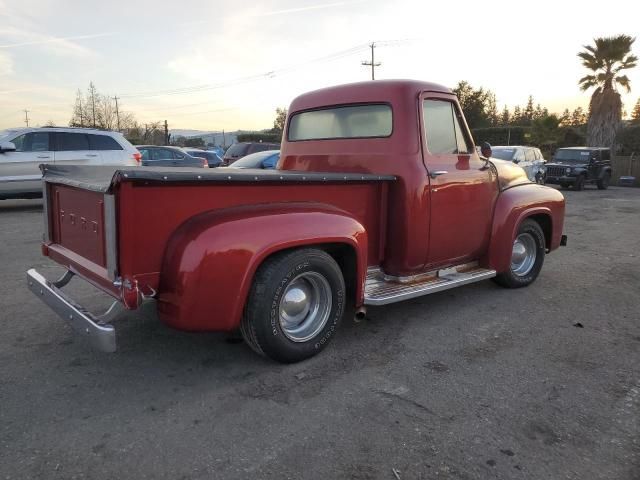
<point x="603" y="183"/>
<point x="564" y="185"/>
<point x="513" y="279"/>
<point x="579" y="183"/>
<point x="262" y="324"/>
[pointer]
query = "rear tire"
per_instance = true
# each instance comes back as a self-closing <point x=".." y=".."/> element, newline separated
<point x="527" y="256"/>
<point x="603" y="183"/>
<point x="564" y="185"/>
<point x="295" y="305"/>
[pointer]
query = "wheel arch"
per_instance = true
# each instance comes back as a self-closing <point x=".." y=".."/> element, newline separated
<point x="544" y="205"/>
<point x="211" y="260"/>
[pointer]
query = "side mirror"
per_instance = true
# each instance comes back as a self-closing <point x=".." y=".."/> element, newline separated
<point x="7" y="147"/>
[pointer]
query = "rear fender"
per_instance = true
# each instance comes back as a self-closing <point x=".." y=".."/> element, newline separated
<point x="514" y="205"/>
<point x="211" y="259"/>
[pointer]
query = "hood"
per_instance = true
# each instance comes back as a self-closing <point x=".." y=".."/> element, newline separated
<point x="567" y="164"/>
<point x="509" y="174"/>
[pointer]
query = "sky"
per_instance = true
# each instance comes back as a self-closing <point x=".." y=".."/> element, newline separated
<point x="214" y="65"/>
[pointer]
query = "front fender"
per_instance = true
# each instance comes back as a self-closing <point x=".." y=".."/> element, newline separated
<point x="512" y="207"/>
<point x="211" y="259"/>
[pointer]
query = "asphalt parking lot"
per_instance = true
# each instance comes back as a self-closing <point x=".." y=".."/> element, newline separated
<point x="473" y="383"/>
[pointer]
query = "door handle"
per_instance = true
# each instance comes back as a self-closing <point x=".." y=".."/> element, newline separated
<point x="437" y="173"/>
<point x="44" y="156"/>
<point x="91" y="155"/>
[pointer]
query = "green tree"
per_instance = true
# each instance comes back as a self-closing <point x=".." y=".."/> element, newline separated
<point x="492" y="110"/>
<point x="578" y="117"/>
<point x="635" y="114"/>
<point x="529" y="111"/>
<point x="194" y="142"/>
<point x="281" y="118"/>
<point x="474" y="104"/>
<point x="516" y="118"/>
<point x="505" y="116"/>
<point x="545" y="130"/>
<point x="565" y="118"/>
<point x="606" y="58"/>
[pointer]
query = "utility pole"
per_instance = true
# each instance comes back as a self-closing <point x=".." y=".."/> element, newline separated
<point x="117" y="113"/>
<point x="93" y="103"/>
<point x="26" y="117"/>
<point x="166" y="133"/>
<point x="80" y="103"/>
<point x="372" y="63"/>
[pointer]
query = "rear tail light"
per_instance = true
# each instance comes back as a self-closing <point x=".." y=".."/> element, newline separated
<point x="205" y="164"/>
<point x="137" y="157"/>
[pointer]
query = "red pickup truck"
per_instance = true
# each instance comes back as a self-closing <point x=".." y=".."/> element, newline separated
<point x="379" y="196"/>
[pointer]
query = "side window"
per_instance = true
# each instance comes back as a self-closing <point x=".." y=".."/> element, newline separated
<point x="529" y="155"/>
<point x="161" y="154"/>
<point x="70" y="142"/>
<point x="519" y="156"/>
<point x="32" y="142"/>
<point x="176" y="155"/>
<point x="103" y="142"/>
<point x="606" y="155"/>
<point x="439" y="129"/>
<point x="537" y="154"/>
<point x="145" y="153"/>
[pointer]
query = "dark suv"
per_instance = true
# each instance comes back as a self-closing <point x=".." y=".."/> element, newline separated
<point x="577" y="166"/>
<point x="239" y="150"/>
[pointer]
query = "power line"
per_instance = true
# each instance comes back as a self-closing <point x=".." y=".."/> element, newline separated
<point x="26" y="117"/>
<point x="250" y="78"/>
<point x="372" y="63"/>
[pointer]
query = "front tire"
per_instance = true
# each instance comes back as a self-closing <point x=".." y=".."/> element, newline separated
<point x="603" y="183"/>
<point x="579" y="183"/>
<point x="527" y="256"/>
<point x="295" y="305"/>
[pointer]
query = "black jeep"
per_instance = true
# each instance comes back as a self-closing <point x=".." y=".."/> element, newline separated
<point x="576" y="166"/>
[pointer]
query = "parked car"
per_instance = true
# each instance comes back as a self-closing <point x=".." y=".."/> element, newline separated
<point x="213" y="159"/>
<point x="154" y="156"/>
<point x="358" y="213"/>
<point x="529" y="158"/>
<point x="265" y="160"/>
<point x="22" y="150"/>
<point x="239" y="150"/>
<point x="577" y="166"/>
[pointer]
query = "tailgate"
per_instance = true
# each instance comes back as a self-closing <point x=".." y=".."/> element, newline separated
<point x="80" y="232"/>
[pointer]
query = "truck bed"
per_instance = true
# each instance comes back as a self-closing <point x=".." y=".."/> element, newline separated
<point x="108" y="225"/>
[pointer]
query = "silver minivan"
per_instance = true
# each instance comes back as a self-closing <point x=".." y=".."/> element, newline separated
<point x="22" y="150"/>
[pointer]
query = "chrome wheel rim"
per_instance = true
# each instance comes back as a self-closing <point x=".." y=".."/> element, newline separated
<point x="523" y="254"/>
<point x="305" y="306"/>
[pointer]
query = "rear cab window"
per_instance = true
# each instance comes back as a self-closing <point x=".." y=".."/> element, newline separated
<point x="345" y="121"/>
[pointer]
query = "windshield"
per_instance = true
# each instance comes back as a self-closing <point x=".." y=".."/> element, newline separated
<point x="237" y="150"/>
<point x="6" y="134"/>
<point x="503" y="153"/>
<point x="572" y="155"/>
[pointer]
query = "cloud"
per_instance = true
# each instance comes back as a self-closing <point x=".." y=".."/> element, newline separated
<point x="304" y="9"/>
<point x="65" y="42"/>
<point x="6" y="64"/>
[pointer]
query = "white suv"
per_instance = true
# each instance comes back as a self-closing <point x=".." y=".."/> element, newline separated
<point x="22" y="150"/>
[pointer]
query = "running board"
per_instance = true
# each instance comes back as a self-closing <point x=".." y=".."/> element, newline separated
<point x="381" y="289"/>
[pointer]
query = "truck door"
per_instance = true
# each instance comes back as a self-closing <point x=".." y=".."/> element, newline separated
<point x="462" y="188"/>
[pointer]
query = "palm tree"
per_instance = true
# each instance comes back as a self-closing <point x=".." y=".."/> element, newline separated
<point x="606" y="59"/>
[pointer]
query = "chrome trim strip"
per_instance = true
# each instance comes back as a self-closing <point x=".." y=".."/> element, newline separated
<point x="20" y="178"/>
<point x="101" y="336"/>
<point x="45" y="212"/>
<point x="111" y="236"/>
<point x="381" y="292"/>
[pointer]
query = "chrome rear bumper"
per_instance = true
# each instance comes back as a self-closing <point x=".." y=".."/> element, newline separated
<point x="101" y="336"/>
